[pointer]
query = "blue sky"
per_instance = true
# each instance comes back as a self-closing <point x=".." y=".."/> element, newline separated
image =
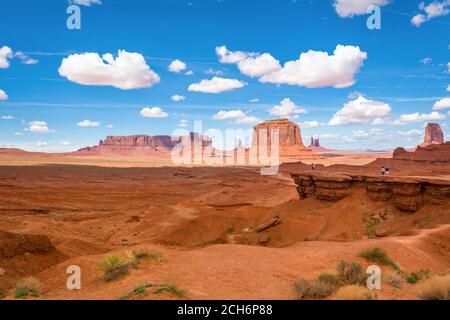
<point x="400" y="72"/>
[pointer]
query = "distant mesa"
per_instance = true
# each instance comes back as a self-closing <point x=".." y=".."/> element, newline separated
<point x="137" y="146"/>
<point x="291" y="147"/>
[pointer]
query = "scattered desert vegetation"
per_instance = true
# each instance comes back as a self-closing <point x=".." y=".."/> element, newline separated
<point x="351" y="273"/>
<point x="146" y="254"/>
<point x="27" y="287"/>
<point x="115" y="265"/>
<point x="355" y="292"/>
<point x="394" y="280"/>
<point x="379" y="256"/>
<point x="435" y="288"/>
<point x="141" y="291"/>
<point x="312" y="289"/>
<point x="417" y="276"/>
<point x="347" y="273"/>
<point x="230" y="230"/>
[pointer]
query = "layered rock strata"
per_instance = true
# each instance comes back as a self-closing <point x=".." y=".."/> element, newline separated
<point x="406" y="194"/>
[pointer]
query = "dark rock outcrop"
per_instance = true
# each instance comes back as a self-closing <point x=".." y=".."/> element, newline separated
<point x="406" y="194"/>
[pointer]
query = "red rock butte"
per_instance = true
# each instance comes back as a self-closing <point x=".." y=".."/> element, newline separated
<point x="433" y="135"/>
<point x="291" y="147"/>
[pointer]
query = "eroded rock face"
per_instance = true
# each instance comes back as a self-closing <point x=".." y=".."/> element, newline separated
<point x="12" y="244"/>
<point x="433" y="135"/>
<point x="291" y="147"/>
<point x="406" y="194"/>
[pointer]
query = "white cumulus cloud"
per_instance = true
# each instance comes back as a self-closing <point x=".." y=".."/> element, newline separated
<point x="316" y="69"/>
<point x="237" y="117"/>
<point x="251" y="64"/>
<point x="38" y="127"/>
<point x="176" y="66"/>
<point x="419" y="117"/>
<point x="430" y="11"/>
<point x="127" y="71"/>
<point x="216" y="85"/>
<point x="5" y="54"/>
<point x="3" y="95"/>
<point x="88" y="123"/>
<point x="361" y="110"/>
<point x="442" y="104"/>
<point x="155" y="112"/>
<point x="24" y="58"/>
<point x="287" y="109"/>
<point x="350" y="8"/>
<point x="178" y="98"/>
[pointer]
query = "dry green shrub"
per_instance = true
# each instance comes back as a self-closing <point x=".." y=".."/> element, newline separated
<point x="115" y="266"/>
<point x="312" y="289"/>
<point x="28" y="286"/>
<point x="435" y="288"/>
<point x="417" y="276"/>
<point x="351" y="273"/>
<point x="146" y="254"/>
<point x="394" y="280"/>
<point x="355" y="292"/>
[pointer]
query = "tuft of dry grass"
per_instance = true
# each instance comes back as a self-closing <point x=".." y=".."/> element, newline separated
<point x="435" y="288"/>
<point x="146" y="254"/>
<point x="394" y="280"/>
<point x="355" y="292"/>
<point x="140" y="291"/>
<point x="417" y="276"/>
<point x="114" y="266"/>
<point x="28" y="286"/>
<point x="312" y="289"/>
<point x="351" y="273"/>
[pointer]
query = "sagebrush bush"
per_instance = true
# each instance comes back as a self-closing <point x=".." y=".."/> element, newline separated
<point x="351" y="273"/>
<point x="28" y="286"/>
<point x="379" y="256"/>
<point x="355" y="292"/>
<point x="435" y="288"/>
<point x="312" y="289"/>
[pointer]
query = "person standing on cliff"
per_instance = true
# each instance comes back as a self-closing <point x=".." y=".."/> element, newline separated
<point x="383" y="170"/>
<point x="313" y="166"/>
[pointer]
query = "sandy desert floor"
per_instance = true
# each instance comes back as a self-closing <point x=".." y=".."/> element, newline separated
<point x="192" y="215"/>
